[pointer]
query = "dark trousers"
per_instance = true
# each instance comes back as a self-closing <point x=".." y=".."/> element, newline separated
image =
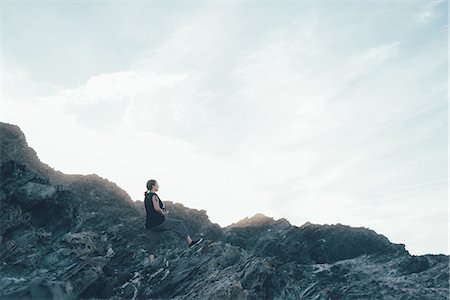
<point x="172" y="224"/>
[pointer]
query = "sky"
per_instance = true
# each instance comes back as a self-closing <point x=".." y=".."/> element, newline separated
<point x="325" y="112"/>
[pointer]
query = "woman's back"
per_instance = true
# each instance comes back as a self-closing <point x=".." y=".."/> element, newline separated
<point x="153" y="217"/>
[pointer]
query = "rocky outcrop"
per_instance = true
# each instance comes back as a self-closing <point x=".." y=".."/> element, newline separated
<point x="82" y="237"/>
<point x="309" y="243"/>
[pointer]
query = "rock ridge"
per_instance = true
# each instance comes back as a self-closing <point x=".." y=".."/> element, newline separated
<point x="82" y="237"/>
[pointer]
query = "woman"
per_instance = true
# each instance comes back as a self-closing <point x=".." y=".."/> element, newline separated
<point x="156" y="216"/>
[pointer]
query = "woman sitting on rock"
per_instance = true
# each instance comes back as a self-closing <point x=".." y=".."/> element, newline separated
<point x="156" y="216"/>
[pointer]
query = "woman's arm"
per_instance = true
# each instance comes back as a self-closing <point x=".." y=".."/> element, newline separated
<point x="155" y="202"/>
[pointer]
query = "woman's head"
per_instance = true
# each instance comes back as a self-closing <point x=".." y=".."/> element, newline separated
<point x="152" y="185"/>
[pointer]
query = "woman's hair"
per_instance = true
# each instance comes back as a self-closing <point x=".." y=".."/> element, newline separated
<point x="150" y="184"/>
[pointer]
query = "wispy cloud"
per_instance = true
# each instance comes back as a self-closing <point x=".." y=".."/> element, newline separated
<point x="429" y="11"/>
<point x="111" y="87"/>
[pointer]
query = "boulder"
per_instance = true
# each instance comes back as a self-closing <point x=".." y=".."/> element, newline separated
<point x="33" y="193"/>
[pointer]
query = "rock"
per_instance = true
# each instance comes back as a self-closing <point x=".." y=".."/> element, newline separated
<point x="256" y="278"/>
<point x="33" y="193"/>
<point x="83" y="243"/>
<point x="41" y="288"/>
<point x="413" y="264"/>
<point x="37" y="288"/>
<point x="13" y="217"/>
<point x="232" y="290"/>
<point x="82" y="237"/>
<point x="260" y="220"/>
<point x="230" y="256"/>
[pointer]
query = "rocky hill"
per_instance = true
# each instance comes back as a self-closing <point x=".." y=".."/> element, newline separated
<point x="82" y="237"/>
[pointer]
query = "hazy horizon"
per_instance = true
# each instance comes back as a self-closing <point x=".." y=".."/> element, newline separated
<point x="327" y="112"/>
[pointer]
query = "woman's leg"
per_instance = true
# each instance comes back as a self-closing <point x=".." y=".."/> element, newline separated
<point x="175" y="225"/>
<point x="153" y="242"/>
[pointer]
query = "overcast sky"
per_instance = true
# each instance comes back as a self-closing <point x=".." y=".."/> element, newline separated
<point x="328" y="112"/>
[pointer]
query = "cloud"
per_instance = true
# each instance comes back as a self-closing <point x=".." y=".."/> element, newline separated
<point x="429" y="11"/>
<point x="102" y="102"/>
<point x="113" y="87"/>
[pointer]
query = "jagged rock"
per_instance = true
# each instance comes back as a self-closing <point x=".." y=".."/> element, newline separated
<point x="230" y="256"/>
<point x="13" y="217"/>
<point x="309" y="243"/>
<point x="84" y="243"/>
<point x="260" y="220"/>
<point x="256" y="278"/>
<point x="413" y="264"/>
<point x="36" y="289"/>
<point x="41" y="288"/>
<point x="33" y="193"/>
<point x="330" y="243"/>
<point x="82" y="237"/>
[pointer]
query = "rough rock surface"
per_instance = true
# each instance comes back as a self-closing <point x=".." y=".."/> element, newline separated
<point x="82" y="237"/>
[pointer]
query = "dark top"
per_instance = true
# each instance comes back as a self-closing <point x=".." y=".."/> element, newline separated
<point x="153" y="217"/>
